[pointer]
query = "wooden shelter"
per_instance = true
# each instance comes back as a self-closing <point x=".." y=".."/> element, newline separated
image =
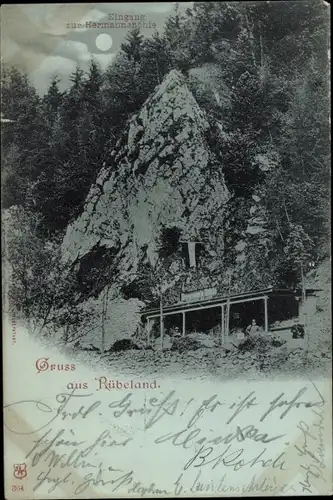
<point x="270" y="297"/>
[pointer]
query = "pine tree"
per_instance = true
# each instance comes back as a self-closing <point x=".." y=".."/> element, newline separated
<point x="132" y="45"/>
<point x="177" y="36"/>
<point x="93" y="83"/>
<point x="53" y="97"/>
<point x="121" y="92"/>
<point x="155" y="63"/>
<point x="22" y="138"/>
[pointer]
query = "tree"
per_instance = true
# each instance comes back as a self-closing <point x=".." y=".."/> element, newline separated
<point x="53" y="97"/>
<point x="177" y="35"/>
<point x="132" y="45"/>
<point x="22" y="138"/>
<point x="155" y="63"/>
<point x="214" y="26"/>
<point x="299" y="251"/>
<point x="94" y="82"/>
<point x="73" y="144"/>
<point x="41" y="289"/>
<point x="121" y="92"/>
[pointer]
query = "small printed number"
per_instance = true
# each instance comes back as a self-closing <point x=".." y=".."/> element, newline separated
<point x="17" y="487"/>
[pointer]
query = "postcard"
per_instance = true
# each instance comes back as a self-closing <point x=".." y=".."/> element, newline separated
<point x="166" y="277"/>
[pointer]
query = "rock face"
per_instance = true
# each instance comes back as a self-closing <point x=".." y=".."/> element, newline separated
<point x="161" y="173"/>
<point x="120" y="321"/>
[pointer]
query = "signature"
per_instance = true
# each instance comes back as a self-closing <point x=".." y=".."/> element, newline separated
<point x="221" y="485"/>
<point x="189" y="436"/>
<point x="186" y="437"/>
<point x="312" y="448"/>
<point x="228" y="458"/>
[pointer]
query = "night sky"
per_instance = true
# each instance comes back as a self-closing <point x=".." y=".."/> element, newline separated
<point x="37" y="39"/>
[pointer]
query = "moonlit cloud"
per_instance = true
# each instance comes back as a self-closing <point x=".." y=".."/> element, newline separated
<point x="93" y="15"/>
<point x="36" y="14"/>
<point x="104" y="59"/>
<point x="52" y="65"/>
<point x="77" y="51"/>
<point x="9" y="49"/>
<point x="40" y="40"/>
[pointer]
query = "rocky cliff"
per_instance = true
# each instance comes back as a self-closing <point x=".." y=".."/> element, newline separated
<point x="162" y="174"/>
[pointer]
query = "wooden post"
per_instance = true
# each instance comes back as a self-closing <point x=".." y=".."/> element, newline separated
<point x="184" y="324"/>
<point x="303" y="285"/>
<point x="103" y="333"/>
<point x="148" y="331"/>
<point x="228" y="318"/>
<point x="228" y="307"/>
<point x="266" y="313"/>
<point x="298" y="306"/>
<point x="305" y="315"/>
<point x="104" y="312"/>
<point x="161" y="318"/>
<point x="304" y="319"/>
<point x="222" y="335"/>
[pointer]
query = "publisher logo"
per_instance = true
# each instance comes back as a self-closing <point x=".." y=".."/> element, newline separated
<point x="20" y="471"/>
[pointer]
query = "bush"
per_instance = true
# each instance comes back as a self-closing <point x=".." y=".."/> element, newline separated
<point x="259" y="343"/>
<point x="124" y="345"/>
<point x="183" y="344"/>
<point x="276" y="342"/>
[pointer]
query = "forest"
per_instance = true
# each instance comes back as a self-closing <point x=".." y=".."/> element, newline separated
<point x="270" y="65"/>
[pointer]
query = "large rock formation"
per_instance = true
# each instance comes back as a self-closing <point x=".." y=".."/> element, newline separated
<point x="162" y="174"/>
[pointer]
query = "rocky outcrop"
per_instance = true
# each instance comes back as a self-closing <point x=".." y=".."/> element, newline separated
<point x="161" y="174"/>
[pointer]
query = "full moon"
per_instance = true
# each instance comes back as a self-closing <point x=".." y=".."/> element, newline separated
<point x="104" y="42"/>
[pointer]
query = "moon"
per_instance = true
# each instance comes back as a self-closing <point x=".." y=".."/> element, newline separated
<point x="103" y="42"/>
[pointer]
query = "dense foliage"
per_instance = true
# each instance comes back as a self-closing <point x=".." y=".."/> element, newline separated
<point x="266" y="97"/>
